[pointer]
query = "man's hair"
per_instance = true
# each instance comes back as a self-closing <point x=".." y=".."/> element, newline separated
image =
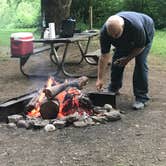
<point x="114" y="23"/>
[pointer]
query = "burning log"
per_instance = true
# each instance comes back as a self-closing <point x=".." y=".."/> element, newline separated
<point x="37" y="100"/>
<point x="49" y="109"/>
<point x="32" y="104"/>
<point x="51" y="92"/>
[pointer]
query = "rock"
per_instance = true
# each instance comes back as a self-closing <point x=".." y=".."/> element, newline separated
<point x="99" y="110"/>
<point x="108" y="107"/>
<point x="72" y="118"/>
<point x="31" y="122"/>
<point x="80" y="124"/>
<point x="112" y="116"/>
<point x="83" y="116"/>
<point x="89" y="121"/>
<point x="49" y="127"/>
<point x="23" y="124"/>
<point x="39" y="123"/>
<point x="99" y="119"/>
<point x="15" y="118"/>
<point x="59" y="123"/>
<point x="11" y="125"/>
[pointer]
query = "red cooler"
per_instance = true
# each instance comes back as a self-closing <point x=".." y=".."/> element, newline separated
<point x="21" y="44"/>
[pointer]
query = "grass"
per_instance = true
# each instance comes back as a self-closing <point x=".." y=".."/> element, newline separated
<point x="159" y="43"/>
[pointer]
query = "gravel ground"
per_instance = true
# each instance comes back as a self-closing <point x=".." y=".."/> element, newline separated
<point x="139" y="139"/>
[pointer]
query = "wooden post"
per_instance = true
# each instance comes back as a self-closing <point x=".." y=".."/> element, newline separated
<point x="91" y="17"/>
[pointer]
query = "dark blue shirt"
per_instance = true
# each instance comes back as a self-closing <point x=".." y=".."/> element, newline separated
<point x="138" y="32"/>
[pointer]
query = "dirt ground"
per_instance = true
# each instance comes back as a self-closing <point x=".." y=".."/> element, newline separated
<point x="139" y="139"/>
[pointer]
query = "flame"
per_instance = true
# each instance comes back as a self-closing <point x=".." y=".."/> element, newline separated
<point x="63" y="103"/>
<point x="35" y="112"/>
<point x="68" y="101"/>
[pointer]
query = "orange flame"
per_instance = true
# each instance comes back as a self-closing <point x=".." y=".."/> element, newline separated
<point x="35" y="112"/>
<point x="62" y="103"/>
<point x="68" y="101"/>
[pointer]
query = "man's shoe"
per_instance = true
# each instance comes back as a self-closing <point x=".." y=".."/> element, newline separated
<point x="138" y="105"/>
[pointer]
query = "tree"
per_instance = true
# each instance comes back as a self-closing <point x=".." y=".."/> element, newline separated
<point x="155" y="9"/>
<point x="55" y="11"/>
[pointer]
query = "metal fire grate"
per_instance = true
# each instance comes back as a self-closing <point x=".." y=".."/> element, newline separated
<point x="17" y="105"/>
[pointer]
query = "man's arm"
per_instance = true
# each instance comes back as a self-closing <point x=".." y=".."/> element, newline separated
<point x="102" y="64"/>
<point x="135" y="52"/>
<point x="124" y="61"/>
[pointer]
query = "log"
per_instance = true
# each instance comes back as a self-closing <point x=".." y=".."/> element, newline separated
<point x="51" y="92"/>
<point x="32" y="103"/>
<point x="49" y="109"/>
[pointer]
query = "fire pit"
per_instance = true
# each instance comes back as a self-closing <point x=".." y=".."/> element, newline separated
<point x="60" y="104"/>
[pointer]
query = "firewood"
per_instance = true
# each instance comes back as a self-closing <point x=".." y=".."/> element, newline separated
<point x="32" y="103"/>
<point x="49" y="109"/>
<point x="51" y="92"/>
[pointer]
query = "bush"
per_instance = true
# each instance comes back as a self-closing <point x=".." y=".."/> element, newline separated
<point x="25" y="15"/>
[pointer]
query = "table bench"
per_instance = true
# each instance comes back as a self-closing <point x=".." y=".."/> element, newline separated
<point x="93" y="57"/>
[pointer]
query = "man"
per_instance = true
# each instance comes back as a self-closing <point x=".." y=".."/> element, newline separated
<point x="131" y="33"/>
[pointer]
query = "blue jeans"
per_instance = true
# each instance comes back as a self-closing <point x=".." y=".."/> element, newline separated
<point x="140" y="75"/>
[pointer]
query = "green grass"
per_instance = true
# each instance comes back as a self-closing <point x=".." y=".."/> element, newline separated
<point x="159" y="43"/>
<point x="6" y="33"/>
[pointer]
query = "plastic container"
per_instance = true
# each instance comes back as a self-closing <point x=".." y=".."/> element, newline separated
<point x="51" y="30"/>
<point x="21" y="44"/>
<point x="46" y="33"/>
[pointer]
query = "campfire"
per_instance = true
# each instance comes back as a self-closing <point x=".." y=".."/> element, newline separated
<point x="57" y="105"/>
<point x="57" y="100"/>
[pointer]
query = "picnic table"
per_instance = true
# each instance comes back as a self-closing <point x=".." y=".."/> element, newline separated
<point x="53" y="44"/>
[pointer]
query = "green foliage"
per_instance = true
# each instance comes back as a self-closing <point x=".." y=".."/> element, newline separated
<point x="26" y="16"/>
<point x="19" y="14"/>
<point x="101" y="10"/>
<point x="159" y="46"/>
<point x="81" y="26"/>
<point x="155" y="9"/>
<point x="26" y="13"/>
<point x="79" y="10"/>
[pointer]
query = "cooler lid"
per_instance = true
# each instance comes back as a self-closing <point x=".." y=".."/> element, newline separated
<point x="23" y="36"/>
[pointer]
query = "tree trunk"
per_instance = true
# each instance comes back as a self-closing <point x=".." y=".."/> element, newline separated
<point x="55" y="11"/>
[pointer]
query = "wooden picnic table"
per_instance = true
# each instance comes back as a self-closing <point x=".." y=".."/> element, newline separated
<point x="67" y="41"/>
<point x="52" y="45"/>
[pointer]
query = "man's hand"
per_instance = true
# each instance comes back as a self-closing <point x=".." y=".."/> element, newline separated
<point x="102" y="64"/>
<point x="99" y="84"/>
<point x="122" y="61"/>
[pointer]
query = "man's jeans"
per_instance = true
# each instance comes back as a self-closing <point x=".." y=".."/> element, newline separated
<point x="140" y="75"/>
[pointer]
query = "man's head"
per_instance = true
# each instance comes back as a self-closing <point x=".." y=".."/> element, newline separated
<point x="115" y="26"/>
